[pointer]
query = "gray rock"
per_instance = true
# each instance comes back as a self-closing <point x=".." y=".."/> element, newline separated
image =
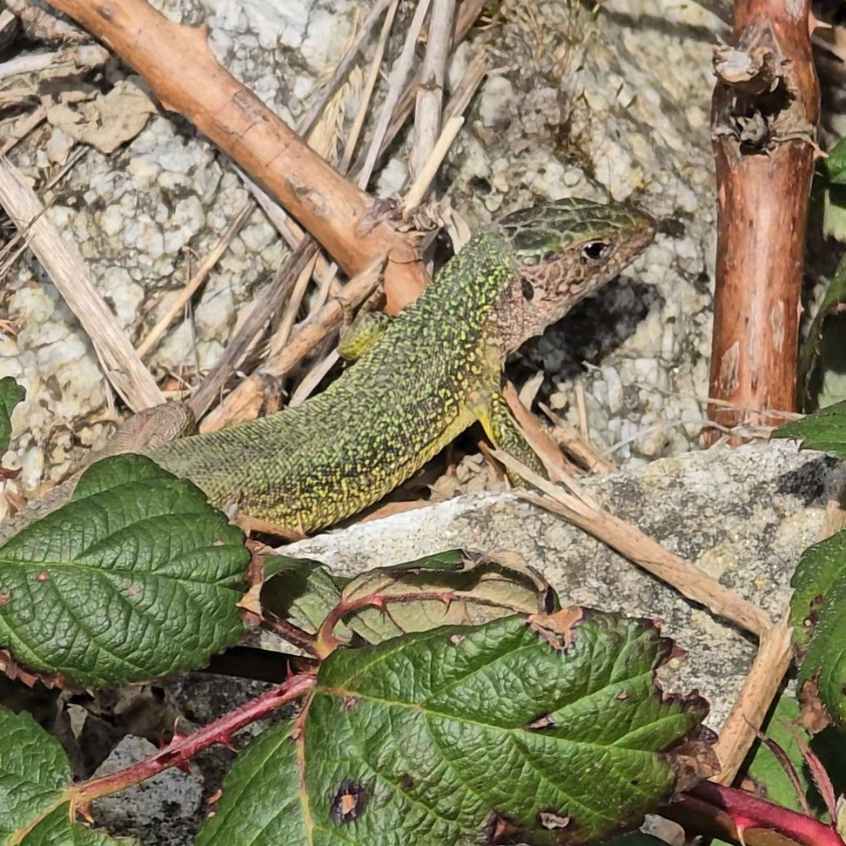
<point x="165" y="806"/>
<point x="743" y="516"/>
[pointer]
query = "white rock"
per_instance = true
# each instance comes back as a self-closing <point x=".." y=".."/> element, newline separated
<point x="495" y="105"/>
<point x="615" y="389"/>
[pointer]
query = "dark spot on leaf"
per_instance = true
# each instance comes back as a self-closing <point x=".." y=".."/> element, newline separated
<point x="348" y="803"/>
<point x="552" y="821"/>
<point x="42" y="576"/>
<point x="499" y="828"/>
<point x="350" y="703"/>
<point x="5" y="599"/>
<point x="406" y="781"/>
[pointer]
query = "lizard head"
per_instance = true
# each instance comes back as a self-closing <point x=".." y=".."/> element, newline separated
<point x="564" y="250"/>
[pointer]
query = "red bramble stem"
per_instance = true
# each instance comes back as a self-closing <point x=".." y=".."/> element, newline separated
<point x="742" y="817"/>
<point x="326" y="642"/>
<point x="181" y="749"/>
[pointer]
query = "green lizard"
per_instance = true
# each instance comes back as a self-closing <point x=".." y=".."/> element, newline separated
<point x="422" y="377"/>
<point x="419" y="380"/>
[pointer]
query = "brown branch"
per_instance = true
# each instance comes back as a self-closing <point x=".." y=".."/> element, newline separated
<point x="182" y="72"/>
<point x="764" y="117"/>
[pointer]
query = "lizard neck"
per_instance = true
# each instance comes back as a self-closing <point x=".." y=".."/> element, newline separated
<point x="471" y="284"/>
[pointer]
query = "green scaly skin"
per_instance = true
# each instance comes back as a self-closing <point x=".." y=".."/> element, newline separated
<point x="423" y="379"/>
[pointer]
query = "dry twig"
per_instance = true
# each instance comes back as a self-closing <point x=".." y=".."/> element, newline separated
<point x="544" y="446"/>
<point x="571" y="441"/>
<point x="427" y="111"/>
<point x="762" y="684"/>
<point x="643" y="550"/>
<point x="399" y="74"/>
<point x="197" y="279"/>
<point x="69" y="274"/>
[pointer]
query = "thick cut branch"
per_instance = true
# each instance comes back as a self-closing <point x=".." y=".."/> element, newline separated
<point x="764" y="117"/>
<point x="177" y="63"/>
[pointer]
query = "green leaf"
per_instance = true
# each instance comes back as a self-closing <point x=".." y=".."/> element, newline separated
<point x="482" y="588"/>
<point x="260" y="803"/>
<point x="34" y="774"/>
<point x="11" y="393"/>
<point x="299" y="589"/>
<point x="540" y="727"/>
<point x="834" y="164"/>
<point x="818" y="616"/>
<point x="767" y="771"/>
<point x="834" y="212"/>
<point x="824" y="430"/>
<point x="136" y="577"/>
<point x="823" y="359"/>
<point x="58" y="830"/>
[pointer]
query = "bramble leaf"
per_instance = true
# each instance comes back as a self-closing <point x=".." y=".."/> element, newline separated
<point x="481" y="588"/>
<point x="531" y="726"/>
<point x="825" y="430"/>
<point x="767" y="771"/>
<point x="822" y="361"/>
<point x="834" y="164"/>
<point x="135" y="577"/>
<point x="818" y="616"/>
<point x="34" y="773"/>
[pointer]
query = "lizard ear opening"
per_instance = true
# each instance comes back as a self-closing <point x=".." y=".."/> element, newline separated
<point x="528" y="289"/>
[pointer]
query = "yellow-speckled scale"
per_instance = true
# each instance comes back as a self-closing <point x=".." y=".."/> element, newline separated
<point x="432" y="372"/>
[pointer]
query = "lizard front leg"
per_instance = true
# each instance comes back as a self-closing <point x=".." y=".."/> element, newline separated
<point x="501" y="427"/>
<point x="362" y="334"/>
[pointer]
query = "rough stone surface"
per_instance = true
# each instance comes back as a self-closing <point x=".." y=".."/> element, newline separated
<point x="168" y="802"/>
<point x="743" y="516"/>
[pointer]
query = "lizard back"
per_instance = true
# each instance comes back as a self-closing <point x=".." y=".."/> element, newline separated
<point x="434" y="370"/>
<point x="387" y="415"/>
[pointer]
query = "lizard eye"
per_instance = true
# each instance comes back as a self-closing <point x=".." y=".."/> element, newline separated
<point x="596" y="251"/>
